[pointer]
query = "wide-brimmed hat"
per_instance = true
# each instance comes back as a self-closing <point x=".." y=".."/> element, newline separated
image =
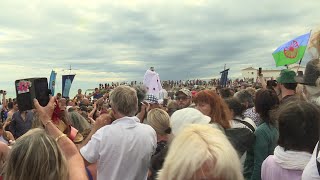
<point x="287" y="76"/>
<point x="73" y="134"/>
<point x="311" y="74"/>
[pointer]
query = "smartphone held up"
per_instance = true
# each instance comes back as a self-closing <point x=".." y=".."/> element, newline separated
<point x="260" y="71"/>
<point x="29" y="89"/>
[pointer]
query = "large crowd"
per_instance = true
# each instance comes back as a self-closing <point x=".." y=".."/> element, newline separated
<point x="191" y="130"/>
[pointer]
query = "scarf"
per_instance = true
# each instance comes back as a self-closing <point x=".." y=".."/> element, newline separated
<point x="294" y="160"/>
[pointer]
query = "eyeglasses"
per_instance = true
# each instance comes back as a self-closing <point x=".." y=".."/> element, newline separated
<point x="181" y="98"/>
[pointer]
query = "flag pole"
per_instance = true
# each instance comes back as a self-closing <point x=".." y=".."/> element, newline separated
<point x="302" y="57"/>
<point x="299" y="65"/>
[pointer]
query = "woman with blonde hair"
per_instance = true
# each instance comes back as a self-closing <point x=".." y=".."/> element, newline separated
<point x="36" y="156"/>
<point x="51" y="156"/>
<point x="4" y="151"/>
<point x="159" y="120"/>
<point x="201" y="152"/>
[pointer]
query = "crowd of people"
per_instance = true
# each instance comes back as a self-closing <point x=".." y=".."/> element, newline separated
<point x="174" y="85"/>
<point x="193" y="130"/>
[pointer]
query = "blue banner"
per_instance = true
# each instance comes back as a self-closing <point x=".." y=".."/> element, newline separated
<point x="52" y="82"/>
<point x="224" y="78"/>
<point x="66" y="84"/>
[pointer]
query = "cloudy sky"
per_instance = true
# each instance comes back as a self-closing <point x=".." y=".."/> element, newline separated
<point x="118" y="40"/>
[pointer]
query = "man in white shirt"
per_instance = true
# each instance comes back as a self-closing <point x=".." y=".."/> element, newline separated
<point x="124" y="148"/>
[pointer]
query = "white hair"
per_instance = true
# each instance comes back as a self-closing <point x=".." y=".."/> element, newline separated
<point x="313" y="92"/>
<point x="199" y="147"/>
<point x="124" y="99"/>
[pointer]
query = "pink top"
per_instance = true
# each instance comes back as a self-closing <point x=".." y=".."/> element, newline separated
<point x="271" y="170"/>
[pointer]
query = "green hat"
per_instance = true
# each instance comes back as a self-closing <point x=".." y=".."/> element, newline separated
<point x="287" y="76"/>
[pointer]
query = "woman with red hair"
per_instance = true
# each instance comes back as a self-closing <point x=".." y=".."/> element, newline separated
<point x="212" y="105"/>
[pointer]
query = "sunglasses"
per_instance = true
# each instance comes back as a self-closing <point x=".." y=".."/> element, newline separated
<point x="181" y="98"/>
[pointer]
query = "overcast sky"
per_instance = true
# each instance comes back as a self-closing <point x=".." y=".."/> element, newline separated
<point x="118" y="40"/>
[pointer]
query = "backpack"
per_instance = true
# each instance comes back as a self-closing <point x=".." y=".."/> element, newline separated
<point x="241" y="139"/>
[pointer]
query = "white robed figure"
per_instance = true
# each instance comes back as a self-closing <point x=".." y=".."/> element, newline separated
<point x="152" y="81"/>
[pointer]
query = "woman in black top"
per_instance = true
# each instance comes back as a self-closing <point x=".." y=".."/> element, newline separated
<point x="159" y="120"/>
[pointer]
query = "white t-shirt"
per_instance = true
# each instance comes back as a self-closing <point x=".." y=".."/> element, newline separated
<point x="310" y="172"/>
<point x="123" y="149"/>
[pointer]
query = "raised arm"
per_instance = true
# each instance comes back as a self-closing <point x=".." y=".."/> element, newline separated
<point x="262" y="81"/>
<point x="70" y="151"/>
<point x="101" y="121"/>
<point x="90" y="115"/>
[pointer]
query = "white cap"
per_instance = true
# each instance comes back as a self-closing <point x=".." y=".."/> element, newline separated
<point x="186" y="116"/>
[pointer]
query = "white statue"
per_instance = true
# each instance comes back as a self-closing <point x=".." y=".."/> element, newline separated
<point x="152" y="82"/>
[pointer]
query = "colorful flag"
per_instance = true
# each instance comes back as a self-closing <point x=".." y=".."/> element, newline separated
<point x="66" y="84"/>
<point x="52" y="81"/>
<point x="292" y="51"/>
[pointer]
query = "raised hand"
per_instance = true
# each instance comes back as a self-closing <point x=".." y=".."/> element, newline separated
<point x="45" y="113"/>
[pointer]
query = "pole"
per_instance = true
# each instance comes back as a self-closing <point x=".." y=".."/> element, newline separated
<point x="299" y="65"/>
